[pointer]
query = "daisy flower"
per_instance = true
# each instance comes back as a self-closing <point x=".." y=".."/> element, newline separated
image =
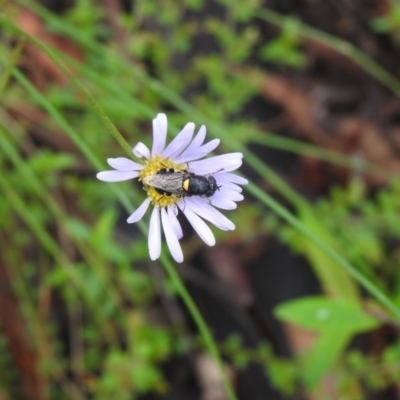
<point x="182" y="157"/>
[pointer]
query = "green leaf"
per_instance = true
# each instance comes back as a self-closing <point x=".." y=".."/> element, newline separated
<point x="327" y="315"/>
<point x="337" y="320"/>
<point x="326" y="351"/>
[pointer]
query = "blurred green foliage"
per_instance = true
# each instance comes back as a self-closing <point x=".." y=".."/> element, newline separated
<point x="64" y="242"/>
<point x="389" y="23"/>
<point x="366" y="229"/>
<point x="285" y="48"/>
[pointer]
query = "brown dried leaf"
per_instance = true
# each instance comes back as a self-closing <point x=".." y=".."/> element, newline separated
<point x="40" y="67"/>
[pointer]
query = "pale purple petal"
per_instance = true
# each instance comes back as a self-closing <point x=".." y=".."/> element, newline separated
<point x="141" y="150"/>
<point x="195" y="154"/>
<point x="210" y="168"/>
<point x="227" y="177"/>
<point x="202" y="229"/>
<point x="138" y="214"/>
<point x="172" y="213"/>
<point x="225" y="162"/>
<point x="170" y="236"/>
<point x="124" y="164"/>
<point x="223" y="203"/>
<point x="154" y="239"/>
<point x="159" y="134"/>
<point x="116" y="176"/>
<point x="198" y="139"/>
<point x="205" y="210"/>
<point x="180" y="142"/>
<point x="229" y="156"/>
<point x="230" y="194"/>
<point x="228" y="185"/>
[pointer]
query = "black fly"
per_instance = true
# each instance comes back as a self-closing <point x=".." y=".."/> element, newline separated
<point x="168" y="181"/>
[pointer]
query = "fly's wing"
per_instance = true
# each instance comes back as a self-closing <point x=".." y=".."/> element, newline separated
<point x="171" y="182"/>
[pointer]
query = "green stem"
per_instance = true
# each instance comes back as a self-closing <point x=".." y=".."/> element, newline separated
<point x="201" y="325"/>
<point x="95" y="106"/>
<point x="48" y="243"/>
<point x="45" y="239"/>
<point x="42" y="193"/>
<point x="22" y="210"/>
<point x="11" y="65"/>
<point x="320" y="153"/>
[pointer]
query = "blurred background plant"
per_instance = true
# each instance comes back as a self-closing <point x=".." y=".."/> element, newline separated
<point x="300" y="305"/>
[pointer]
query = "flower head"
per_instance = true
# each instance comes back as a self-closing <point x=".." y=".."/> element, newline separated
<point x="177" y="167"/>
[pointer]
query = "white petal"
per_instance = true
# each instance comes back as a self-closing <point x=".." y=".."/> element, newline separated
<point x="159" y="134"/>
<point x="180" y="142"/>
<point x="223" y="202"/>
<point x="138" y="214"/>
<point x="229" y="156"/>
<point x="211" y="167"/>
<point x="224" y="162"/>
<point x="205" y="210"/>
<point x="202" y="229"/>
<point x="124" y="164"/>
<point x="116" y="176"/>
<point x="195" y="154"/>
<point x="198" y="140"/>
<point x="174" y="222"/>
<point x="141" y="150"/>
<point x="227" y="177"/>
<point x="229" y="194"/>
<point x="154" y="239"/>
<point x="170" y="236"/>
<point x="227" y="185"/>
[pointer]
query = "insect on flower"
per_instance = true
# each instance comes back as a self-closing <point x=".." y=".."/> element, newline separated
<point x="175" y="177"/>
<point x="181" y="183"/>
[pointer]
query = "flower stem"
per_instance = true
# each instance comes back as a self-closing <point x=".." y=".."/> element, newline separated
<point x="93" y="103"/>
<point x="201" y="325"/>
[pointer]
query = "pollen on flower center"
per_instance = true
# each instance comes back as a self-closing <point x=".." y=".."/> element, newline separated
<point x="151" y="167"/>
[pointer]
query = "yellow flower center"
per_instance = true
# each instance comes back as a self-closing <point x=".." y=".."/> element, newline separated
<point x="151" y="167"/>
